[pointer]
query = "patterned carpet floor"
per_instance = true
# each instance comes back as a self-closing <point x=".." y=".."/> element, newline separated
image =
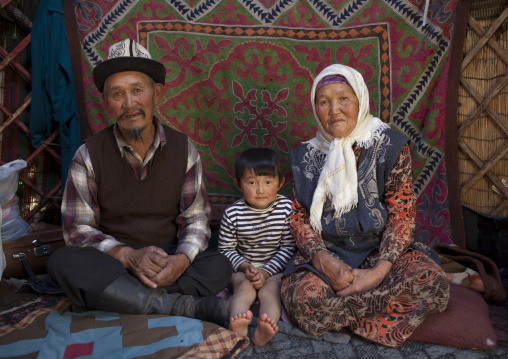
<point x="16" y="306"/>
<point x="284" y="346"/>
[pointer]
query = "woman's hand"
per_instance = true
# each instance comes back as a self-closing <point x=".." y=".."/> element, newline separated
<point x="337" y="272"/>
<point x="366" y="279"/>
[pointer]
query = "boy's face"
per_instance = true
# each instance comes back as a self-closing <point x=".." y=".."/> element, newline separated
<point x="259" y="191"/>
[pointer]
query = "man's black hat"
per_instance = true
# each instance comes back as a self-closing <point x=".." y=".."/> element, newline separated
<point x="128" y="55"/>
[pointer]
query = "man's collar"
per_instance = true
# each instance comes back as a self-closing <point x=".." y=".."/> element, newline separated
<point x="159" y="137"/>
<point x="159" y="132"/>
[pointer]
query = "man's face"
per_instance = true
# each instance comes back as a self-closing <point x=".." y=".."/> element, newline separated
<point x="131" y="97"/>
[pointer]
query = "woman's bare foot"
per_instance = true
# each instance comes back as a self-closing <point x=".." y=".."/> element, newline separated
<point x="265" y="331"/>
<point x="240" y="323"/>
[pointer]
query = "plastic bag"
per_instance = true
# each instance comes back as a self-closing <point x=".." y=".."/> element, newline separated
<point x="13" y="226"/>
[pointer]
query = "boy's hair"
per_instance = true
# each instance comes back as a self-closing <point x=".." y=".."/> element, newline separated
<point x="263" y="161"/>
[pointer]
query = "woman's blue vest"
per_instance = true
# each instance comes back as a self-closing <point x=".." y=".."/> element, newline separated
<point x="355" y="234"/>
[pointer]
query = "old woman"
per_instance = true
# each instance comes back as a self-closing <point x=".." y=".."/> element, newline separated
<point x="353" y="221"/>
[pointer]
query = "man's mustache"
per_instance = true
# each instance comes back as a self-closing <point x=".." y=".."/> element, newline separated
<point x="125" y="114"/>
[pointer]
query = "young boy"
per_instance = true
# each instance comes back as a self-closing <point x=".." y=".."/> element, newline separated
<point x="255" y="236"/>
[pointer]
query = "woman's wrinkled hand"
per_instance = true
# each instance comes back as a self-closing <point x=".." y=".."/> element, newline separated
<point x="367" y="279"/>
<point x="338" y="273"/>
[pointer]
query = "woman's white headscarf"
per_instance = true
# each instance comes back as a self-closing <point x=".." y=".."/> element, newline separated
<point x="338" y="180"/>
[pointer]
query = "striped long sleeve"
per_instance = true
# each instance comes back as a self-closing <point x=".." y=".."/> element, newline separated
<point x="258" y="236"/>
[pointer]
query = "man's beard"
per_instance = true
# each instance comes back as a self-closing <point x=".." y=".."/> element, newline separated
<point x="134" y="134"/>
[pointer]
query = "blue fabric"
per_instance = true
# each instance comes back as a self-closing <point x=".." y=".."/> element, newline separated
<point x="66" y="332"/>
<point x="53" y="92"/>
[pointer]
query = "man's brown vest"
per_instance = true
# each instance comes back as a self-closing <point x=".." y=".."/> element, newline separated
<point x="139" y="211"/>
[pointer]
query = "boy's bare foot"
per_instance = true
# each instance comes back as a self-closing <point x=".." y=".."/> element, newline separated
<point x="265" y="331"/>
<point x="240" y="323"/>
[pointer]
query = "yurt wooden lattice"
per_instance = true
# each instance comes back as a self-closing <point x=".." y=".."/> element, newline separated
<point x="482" y="115"/>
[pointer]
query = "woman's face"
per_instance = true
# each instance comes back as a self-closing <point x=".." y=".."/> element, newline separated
<point x="337" y="109"/>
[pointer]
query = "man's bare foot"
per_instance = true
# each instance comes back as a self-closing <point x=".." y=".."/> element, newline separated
<point x="240" y="323"/>
<point x="265" y="331"/>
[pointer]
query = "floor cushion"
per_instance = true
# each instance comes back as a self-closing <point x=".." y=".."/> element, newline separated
<point x="465" y="323"/>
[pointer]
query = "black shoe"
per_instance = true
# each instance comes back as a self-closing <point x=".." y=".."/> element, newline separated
<point x="211" y="309"/>
<point x="128" y="295"/>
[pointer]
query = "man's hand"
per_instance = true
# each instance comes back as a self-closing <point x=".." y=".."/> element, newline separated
<point x="145" y="263"/>
<point x="337" y="272"/>
<point x="176" y="265"/>
<point x="366" y="279"/>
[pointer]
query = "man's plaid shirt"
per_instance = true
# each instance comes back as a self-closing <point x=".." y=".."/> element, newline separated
<point x="80" y="207"/>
